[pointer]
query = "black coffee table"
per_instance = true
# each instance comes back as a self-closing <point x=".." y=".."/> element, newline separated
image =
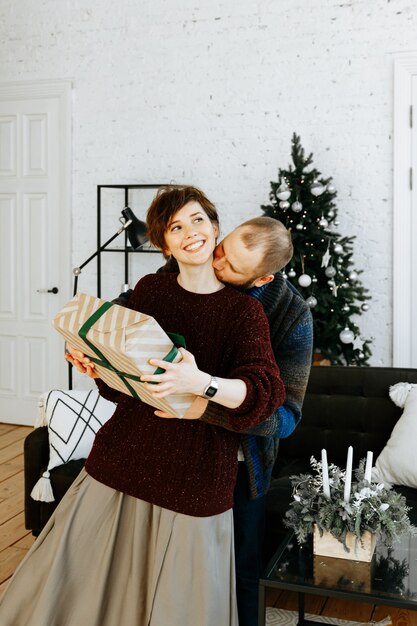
<point x="390" y="579"/>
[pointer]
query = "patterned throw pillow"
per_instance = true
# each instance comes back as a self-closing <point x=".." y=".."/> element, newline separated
<point x="73" y="418"/>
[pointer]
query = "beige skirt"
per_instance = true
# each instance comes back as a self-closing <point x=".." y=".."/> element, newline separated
<point x="108" y="559"/>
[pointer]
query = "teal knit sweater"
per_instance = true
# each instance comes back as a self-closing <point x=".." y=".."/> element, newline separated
<point x="291" y="330"/>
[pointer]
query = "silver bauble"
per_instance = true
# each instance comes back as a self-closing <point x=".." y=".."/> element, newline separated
<point x="330" y="214"/>
<point x="283" y="192"/>
<point x="311" y="302"/>
<point x="336" y="222"/>
<point x="314" y="279"/>
<point x="317" y="188"/>
<point x="338" y="248"/>
<point x="323" y="222"/>
<point x="345" y="308"/>
<point x="284" y="204"/>
<point x="292" y="273"/>
<point x="299" y="227"/>
<point x="353" y="275"/>
<point x="330" y="271"/>
<point x="331" y="188"/>
<point x="304" y="280"/>
<point x="346" y="336"/>
<point x="297" y="207"/>
<point x="365" y="307"/>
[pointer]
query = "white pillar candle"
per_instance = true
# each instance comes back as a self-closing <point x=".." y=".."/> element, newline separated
<point x="348" y="477"/>
<point x="325" y="471"/>
<point x="368" y="466"/>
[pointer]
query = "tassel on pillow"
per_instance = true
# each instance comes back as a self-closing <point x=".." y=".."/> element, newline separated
<point x="399" y="392"/>
<point x="43" y="489"/>
<point x="41" y="419"/>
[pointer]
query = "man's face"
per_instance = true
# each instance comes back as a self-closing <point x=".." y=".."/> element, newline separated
<point x="233" y="263"/>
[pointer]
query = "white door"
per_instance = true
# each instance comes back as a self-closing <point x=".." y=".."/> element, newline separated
<point x="34" y="243"/>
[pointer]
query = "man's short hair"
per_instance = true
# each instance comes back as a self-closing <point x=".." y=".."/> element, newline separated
<point x="275" y="240"/>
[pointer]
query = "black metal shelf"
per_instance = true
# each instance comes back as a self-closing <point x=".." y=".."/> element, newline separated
<point x="126" y="249"/>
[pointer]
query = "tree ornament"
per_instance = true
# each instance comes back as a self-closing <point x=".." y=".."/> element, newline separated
<point x="311" y="302"/>
<point x="346" y="336"/>
<point x="365" y="307"/>
<point x="284" y="275"/>
<point x="304" y="280"/>
<point x="330" y="271"/>
<point x="345" y="308"/>
<point x="284" y="205"/>
<point x="323" y="222"/>
<point x="338" y="248"/>
<point x="330" y="214"/>
<point x="331" y="188"/>
<point x="336" y="222"/>
<point x="283" y="191"/>
<point x="297" y="207"/>
<point x="353" y="275"/>
<point x="292" y="273"/>
<point x="314" y="279"/>
<point x="317" y="188"/>
<point x="299" y="226"/>
<point x="326" y="257"/>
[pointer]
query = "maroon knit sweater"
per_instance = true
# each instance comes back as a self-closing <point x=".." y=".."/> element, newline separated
<point x="190" y="466"/>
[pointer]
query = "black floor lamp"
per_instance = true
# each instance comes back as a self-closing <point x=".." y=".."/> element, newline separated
<point x="136" y="233"/>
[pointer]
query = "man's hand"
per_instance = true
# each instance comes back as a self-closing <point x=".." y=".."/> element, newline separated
<point x="194" y="412"/>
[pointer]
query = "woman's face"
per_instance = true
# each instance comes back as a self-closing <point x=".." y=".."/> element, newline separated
<point x="191" y="236"/>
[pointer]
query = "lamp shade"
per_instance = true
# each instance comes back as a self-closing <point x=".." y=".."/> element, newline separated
<point x="136" y="231"/>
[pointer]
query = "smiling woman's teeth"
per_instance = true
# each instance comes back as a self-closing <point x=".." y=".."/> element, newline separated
<point x="195" y="246"/>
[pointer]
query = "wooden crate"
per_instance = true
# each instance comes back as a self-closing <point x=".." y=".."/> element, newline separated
<point x="327" y="545"/>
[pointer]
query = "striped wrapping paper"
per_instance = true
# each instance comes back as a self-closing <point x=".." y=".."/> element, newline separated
<point x="121" y="342"/>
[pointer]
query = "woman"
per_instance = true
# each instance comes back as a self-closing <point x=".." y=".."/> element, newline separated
<point x="144" y="536"/>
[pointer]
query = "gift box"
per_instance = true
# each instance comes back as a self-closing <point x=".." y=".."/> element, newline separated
<point x="120" y="342"/>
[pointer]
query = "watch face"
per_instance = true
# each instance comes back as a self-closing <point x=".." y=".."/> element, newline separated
<point x="210" y="391"/>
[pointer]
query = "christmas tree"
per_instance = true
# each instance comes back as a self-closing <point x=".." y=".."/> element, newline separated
<point x="322" y="267"/>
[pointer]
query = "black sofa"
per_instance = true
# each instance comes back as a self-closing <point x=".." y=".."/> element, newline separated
<point x="343" y="406"/>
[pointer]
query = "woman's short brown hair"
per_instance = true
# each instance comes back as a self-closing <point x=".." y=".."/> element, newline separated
<point x="167" y="202"/>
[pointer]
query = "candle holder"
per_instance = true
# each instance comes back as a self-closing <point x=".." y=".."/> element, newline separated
<point x="348" y="517"/>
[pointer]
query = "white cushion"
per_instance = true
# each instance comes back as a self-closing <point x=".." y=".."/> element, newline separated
<point x="397" y="462"/>
<point x="73" y="418"/>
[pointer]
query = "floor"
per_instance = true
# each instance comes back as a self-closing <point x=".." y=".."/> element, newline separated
<point x="15" y="541"/>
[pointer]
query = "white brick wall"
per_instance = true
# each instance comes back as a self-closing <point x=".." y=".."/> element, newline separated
<point x="210" y="92"/>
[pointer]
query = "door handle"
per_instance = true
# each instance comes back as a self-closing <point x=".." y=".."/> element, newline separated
<point x="53" y="290"/>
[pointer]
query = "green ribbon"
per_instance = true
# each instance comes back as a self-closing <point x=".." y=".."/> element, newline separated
<point x="177" y="340"/>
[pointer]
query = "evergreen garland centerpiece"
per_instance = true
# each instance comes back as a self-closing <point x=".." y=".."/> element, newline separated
<point x="322" y="267"/>
<point x="332" y="502"/>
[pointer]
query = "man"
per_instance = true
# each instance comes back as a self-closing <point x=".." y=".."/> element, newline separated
<point x="251" y="258"/>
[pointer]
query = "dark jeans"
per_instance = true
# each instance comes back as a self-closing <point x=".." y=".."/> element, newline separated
<point x="249" y="522"/>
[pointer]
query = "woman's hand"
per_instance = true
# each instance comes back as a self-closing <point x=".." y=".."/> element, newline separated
<point x="81" y="362"/>
<point x="182" y="377"/>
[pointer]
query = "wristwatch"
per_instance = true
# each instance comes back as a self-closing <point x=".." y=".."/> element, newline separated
<point x="211" y="389"/>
